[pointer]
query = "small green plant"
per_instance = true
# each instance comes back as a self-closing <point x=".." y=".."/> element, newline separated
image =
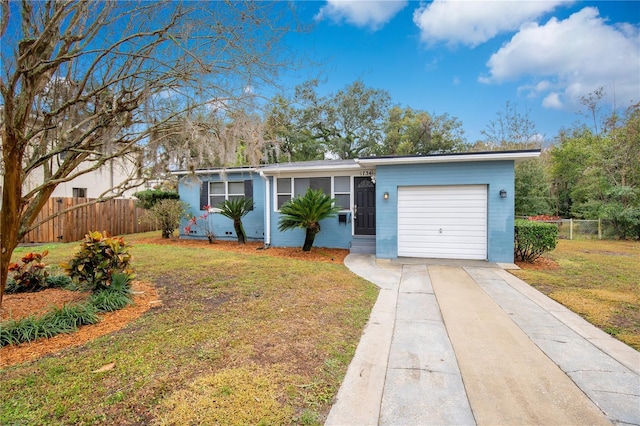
<point x="533" y="239"/>
<point x="100" y="256"/>
<point x="30" y="275"/>
<point x="59" y="281"/>
<point x="116" y="297"/>
<point x="235" y="209"/>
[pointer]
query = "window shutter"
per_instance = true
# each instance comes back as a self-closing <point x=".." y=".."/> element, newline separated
<point x="204" y="194"/>
<point x="248" y="190"/>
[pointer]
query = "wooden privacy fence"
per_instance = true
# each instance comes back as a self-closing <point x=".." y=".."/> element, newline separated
<point x="117" y="217"/>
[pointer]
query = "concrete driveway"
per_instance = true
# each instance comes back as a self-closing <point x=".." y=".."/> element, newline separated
<point x="468" y="343"/>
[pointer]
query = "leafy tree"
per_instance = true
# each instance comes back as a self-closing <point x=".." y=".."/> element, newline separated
<point x="411" y="132"/>
<point x="88" y="83"/>
<point x="235" y="209"/>
<point x="532" y="188"/>
<point x="287" y="137"/>
<point x="306" y="212"/>
<point x="598" y="176"/>
<point x="348" y="124"/>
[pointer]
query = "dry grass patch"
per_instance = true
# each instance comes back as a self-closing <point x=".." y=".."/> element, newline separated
<point x="237" y="396"/>
<point x="596" y="279"/>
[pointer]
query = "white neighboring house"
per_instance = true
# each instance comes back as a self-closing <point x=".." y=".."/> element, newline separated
<point x="89" y="185"/>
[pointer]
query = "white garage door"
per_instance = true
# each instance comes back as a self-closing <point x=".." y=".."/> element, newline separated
<point x="447" y="222"/>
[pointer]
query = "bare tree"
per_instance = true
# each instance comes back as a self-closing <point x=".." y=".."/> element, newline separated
<point x="511" y="129"/>
<point x="86" y="83"/>
<point x="590" y="101"/>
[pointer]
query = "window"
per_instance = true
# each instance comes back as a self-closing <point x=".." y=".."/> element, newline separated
<point x="79" y="192"/>
<point x="342" y="191"/>
<point x="216" y="193"/>
<point x="288" y="188"/>
<point x="284" y="191"/>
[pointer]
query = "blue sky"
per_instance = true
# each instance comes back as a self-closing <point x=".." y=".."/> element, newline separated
<point x="467" y="58"/>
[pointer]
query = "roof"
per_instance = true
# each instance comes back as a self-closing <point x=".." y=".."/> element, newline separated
<point x="310" y="166"/>
<point x="452" y="157"/>
<point x="359" y="163"/>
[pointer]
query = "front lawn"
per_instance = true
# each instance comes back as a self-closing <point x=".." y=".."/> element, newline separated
<point x="239" y="339"/>
<point x="598" y="280"/>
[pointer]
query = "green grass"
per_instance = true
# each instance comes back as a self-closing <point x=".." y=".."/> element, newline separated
<point x="599" y="281"/>
<point x="267" y="337"/>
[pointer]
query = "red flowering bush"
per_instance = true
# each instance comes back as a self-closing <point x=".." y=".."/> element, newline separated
<point x="30" y="275"/>
<point x="204" y="225"/>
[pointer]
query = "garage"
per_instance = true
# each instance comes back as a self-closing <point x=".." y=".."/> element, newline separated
<point x="447" y="222"/>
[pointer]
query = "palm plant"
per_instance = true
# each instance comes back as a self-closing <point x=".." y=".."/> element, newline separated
<point x="235" y="209"/>
<point x="307" y="212"/>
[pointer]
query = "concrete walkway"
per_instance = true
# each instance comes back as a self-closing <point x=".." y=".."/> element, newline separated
<point x="464" y="343"/>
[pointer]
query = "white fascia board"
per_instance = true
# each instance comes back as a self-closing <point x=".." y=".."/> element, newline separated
<point x="214" y="171"/>
<point x="498" y="156"/>
<point x="273" y="171"/>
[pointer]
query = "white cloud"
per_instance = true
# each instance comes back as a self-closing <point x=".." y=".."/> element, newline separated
<point x="552" y="100"/>
<point x="361" y="13"/>
<point x="474" y="22"/>
<point x="580" y="54"/>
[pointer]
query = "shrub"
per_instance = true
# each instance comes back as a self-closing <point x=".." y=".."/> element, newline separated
<point x="100" y="256"/>
<point x="30" y="275"/>
<point x="148" y="198"/>
<point x="532" y="239"/>
<point x="168" y="214"/>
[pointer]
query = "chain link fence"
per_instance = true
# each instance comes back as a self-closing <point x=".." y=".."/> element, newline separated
<point x="572" y="229"/>
<point x="576" y="229"/>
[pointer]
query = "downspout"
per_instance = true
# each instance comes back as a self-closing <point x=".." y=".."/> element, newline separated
<point x="267" y="212"/>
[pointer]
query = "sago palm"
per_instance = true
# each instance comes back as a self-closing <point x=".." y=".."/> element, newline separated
<point x="307" y="212"/>
<point x="235" y="210"/>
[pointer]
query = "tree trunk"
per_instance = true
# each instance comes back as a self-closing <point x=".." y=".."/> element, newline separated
<point x="312" y="230"/>
<point x="237" y="224"/>
<point x="10" y="213"/>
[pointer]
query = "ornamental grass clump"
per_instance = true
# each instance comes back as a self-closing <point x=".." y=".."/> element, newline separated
<point x="59" y="320"/>
<point x="100" y="257"/>
<point x="116" y="297"/>
<point x="533" y="239"/>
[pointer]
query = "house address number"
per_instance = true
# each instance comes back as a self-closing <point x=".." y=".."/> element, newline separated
<point x="366" y="173"/>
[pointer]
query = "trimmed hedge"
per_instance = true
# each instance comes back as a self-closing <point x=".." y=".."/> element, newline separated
<point x="148" y="198"/>
<point x="533" y="239"/>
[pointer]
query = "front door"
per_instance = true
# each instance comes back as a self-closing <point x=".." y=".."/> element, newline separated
<point x="365" y="206"/>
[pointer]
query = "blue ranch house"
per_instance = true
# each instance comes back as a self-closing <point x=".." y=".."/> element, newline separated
<point x="454" y="206"/>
